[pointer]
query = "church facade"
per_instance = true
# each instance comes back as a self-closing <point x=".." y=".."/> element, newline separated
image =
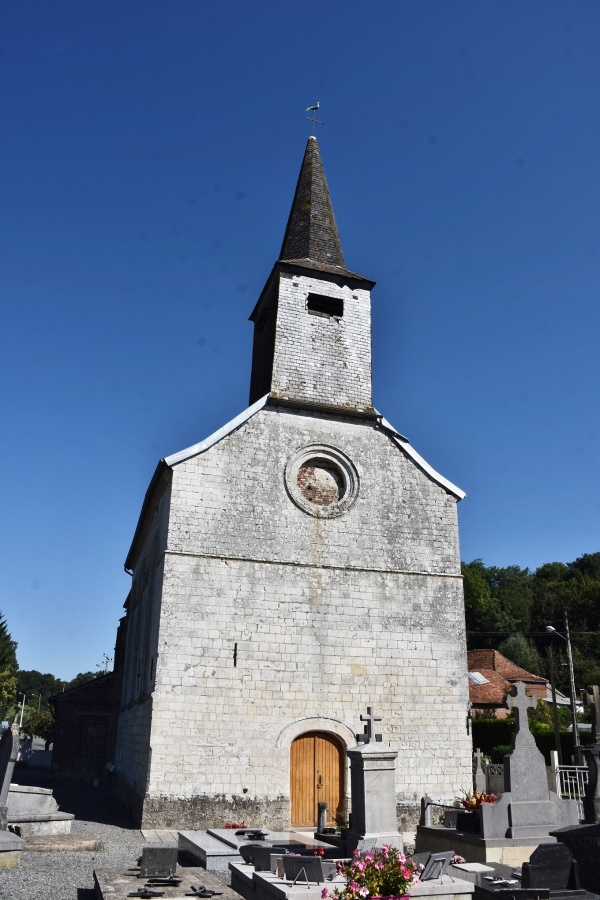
<point x="295" y="566"/>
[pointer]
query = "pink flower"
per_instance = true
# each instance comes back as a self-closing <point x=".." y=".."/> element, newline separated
<point x="324" y="893"/>
<point x="354" y="886"/>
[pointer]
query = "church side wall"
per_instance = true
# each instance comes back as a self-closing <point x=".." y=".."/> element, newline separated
<point x="133" y="745"/>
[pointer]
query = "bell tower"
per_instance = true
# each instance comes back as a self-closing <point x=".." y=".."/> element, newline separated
<point x="312" y="322"/>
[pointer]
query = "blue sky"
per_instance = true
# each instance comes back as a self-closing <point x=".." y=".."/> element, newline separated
<point x="149" y="153"/>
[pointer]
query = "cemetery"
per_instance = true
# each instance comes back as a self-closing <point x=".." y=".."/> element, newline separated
<point x="527" y="842"/>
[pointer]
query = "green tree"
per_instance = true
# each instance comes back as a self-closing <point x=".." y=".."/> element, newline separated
<point x="8" y="669"/>
<point x="38" y="687"/>
<point x="82" y="678"/>
<point x="39" y="724"/>
<point x="523" y="653"/>
<point x="496" y="600"/>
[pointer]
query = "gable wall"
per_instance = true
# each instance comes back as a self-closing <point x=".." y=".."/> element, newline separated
<point x="328" y="616"/>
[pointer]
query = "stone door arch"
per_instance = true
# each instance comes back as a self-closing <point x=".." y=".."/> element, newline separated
<point x="317" y="766"/>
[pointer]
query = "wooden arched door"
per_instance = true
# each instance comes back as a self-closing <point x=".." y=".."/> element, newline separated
<point x="316" y="773"/>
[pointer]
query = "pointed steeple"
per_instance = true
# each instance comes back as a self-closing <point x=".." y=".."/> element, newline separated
<point x="312" y="234"/>
<point x="312" y="322"/>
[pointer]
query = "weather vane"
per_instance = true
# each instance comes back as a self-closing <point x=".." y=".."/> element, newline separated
<point x="313" y="109"/>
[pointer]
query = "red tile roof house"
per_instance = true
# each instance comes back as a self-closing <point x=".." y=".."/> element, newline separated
<point x="491" y="676"/>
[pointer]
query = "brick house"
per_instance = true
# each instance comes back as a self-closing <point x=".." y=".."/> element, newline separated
<point x="298" y="564"/>
<point x="491" y="676"/>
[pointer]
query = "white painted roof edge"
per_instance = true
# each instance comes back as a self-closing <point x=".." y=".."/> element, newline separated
<point x="410" y="451"/>
<point x="216" y="436"/>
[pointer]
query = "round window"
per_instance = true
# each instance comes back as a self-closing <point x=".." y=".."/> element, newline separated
<point x="321" y="481"/>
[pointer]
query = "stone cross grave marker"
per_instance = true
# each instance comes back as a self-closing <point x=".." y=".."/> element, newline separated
<point x="479" y="779"/>
<point x="370" y="719"/>
<point x="520" y="702"/>
<point x="591" y="698"/>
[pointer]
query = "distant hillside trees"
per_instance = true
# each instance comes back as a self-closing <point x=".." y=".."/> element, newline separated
<point x="509" y="609"/>
<point x="38" y="687"/>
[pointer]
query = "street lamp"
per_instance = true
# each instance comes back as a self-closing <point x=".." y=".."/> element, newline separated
<point x="567" y="639"/>
<point x="22" y="707"/>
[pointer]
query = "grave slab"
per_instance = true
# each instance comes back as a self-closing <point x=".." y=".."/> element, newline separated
<point x="253" y="885"/>
<point x="10" y="850"/>
<point x="117" y="884"/>
<point x="217" y="847"/>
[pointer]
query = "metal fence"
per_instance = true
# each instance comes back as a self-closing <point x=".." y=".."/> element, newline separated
<point x="570" y="781"/>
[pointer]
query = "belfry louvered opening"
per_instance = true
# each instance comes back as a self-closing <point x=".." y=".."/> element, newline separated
<point x="320" y="305"/>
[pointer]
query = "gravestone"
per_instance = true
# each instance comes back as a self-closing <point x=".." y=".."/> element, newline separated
<point x="479" y="779"/>
<point x="551" y="866"/>
<point x="158" y="862"/>
<point x="591" y="800"/>
<point x="9" y="748"/>
<point x="527" y="808"/>
<point x="436" y="865"/>
<point x="584" y="843"/>
<point x="247" y="851"/>
<point x="262" y="857"/>
<point x="373" y="792"/>
<point x="303" y="869"/>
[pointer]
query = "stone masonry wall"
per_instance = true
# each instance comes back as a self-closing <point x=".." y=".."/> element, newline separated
<point x="133" y="750"/>
<point x="322" y="359"/>
<point x="328" y="614"/>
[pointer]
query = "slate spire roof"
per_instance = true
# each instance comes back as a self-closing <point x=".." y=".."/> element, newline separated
<point x="311" y="237"/>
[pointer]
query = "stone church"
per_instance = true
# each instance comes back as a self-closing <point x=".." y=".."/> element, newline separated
<point x="298" y="564"/>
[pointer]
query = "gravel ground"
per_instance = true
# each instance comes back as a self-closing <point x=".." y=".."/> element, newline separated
<point x="68" y="876"/>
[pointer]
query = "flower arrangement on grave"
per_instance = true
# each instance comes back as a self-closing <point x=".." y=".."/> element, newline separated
<point x="235" y="824"/>
<point x="474" y="799"/>
<point x="384" y="873"/>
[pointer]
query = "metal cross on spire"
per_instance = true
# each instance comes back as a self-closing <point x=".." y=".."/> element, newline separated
<point x="313" y="118"/>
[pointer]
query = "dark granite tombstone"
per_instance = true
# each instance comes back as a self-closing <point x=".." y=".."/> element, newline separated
<point x="261" y="856"/>
<point x="158" y="862"/>
<point x="9" y="748"/>
<point x="247" y="850"/>
<point x="303" y="868"/>
<point x="551" y="866"/>
<point x="584" y="843"/>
